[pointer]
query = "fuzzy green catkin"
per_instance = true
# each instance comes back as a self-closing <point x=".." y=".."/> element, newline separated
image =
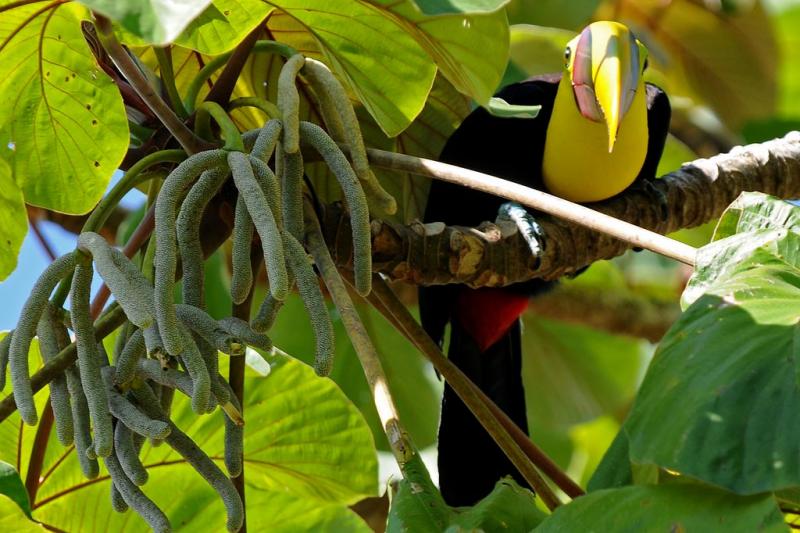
<point x="240" y="329"/>
<point x="196" y="457"/>
<point x="356" y="200"/>
<point x="333" y="93"/>
<point x="165" y="260"/>
<point x="128" y="414"/>
<point x="5" y="344"/>
<point x="267" y="139"/>
<point x="292" y="192"/>
<point x="242" y="270"/>
<point x="204" y="325"/>
<point x="89" y="360"/>
<point x="188" y="228"/>
<point x="59" y="395"/>
<point x="308" y="287"/>
<point x="81" y="423"/>
<point x="266" y="315"/>
<point x="269" y="184"/>
<point x="234" y="442"/>
<point x="165" y="401"/>
<point x="134" y="497"/>
<point x="128" y="455"/>
<point x="153" y="342"/>
<point x="196" y="367"/>
<point x="137" y="306"/>
<point x="169" y="378"/>
<point x="289" y="102"/>
<point x="26" y="329"/>
<point x="125" y="332"/>
<point x="117" y="501"/>
<point x="267" y="229"/>
<point x="126" y="361"/>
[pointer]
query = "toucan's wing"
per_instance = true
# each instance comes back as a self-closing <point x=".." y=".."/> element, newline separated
<point x="658" y="116"/>
<point x="510" y="148"/>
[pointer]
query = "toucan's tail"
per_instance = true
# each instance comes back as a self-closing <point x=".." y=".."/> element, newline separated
<point x="470" y="463"/>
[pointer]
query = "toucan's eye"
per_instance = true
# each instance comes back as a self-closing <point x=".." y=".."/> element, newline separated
<point x="567" y="54"/>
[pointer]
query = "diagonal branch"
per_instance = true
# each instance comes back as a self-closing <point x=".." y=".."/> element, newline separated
<point x="494" y="255"/>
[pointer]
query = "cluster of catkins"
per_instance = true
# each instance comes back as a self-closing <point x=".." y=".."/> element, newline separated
<point x="107" y="408"/>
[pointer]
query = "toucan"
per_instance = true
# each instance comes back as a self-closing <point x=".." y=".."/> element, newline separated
<point x="600" y="130"/>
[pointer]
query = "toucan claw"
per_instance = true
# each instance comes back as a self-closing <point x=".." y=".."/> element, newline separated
<point x="653" y="193"/>
<point x="530" y="230"/>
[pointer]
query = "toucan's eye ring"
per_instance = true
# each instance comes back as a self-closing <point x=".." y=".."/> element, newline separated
<point x="567" y="54"/>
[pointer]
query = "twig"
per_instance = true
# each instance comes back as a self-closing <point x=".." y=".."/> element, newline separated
<point x="125" y="64"/>
<point x="46" y="246"/>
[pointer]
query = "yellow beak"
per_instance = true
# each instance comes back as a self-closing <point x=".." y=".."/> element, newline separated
<point x="605" y="74"/>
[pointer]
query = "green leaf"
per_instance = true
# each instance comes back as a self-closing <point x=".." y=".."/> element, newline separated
<point x="719" y="400"/>
<point x="63" y="127"/>
<point x="535" y="50"/>
<point x="276" y="511"/>
<point x="13" y="519"/>
<point x="500" y="108"/>
<point x="13" y="221"/>
<point x="156" y="21"/>
<point x="508" y="507"/>
<point x="553" y="13"/>
<point x="386" y="67"/>
<point x="675" y="507"/>
<point x="417" y="505"/>
<point x="753" y="211"/>
<point x="222" y="25"/>
<point x="12" y="487"/>
<point x="573" y="374"/>
<point x="615" y="468"/>
<point x="445" y="7"/>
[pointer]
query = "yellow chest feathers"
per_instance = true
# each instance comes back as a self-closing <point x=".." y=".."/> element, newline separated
<point x="577" y="165"/>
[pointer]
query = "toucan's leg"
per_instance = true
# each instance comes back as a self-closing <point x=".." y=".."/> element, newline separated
<point x="530" y="229"/>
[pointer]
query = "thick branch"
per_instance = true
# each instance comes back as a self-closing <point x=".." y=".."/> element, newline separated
<point x="495" y="256"/>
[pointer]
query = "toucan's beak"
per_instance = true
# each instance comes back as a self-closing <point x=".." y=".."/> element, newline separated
<point x="605" y="74"/>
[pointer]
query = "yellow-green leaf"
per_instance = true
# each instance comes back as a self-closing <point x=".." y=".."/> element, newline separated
<point x="63" y="128"/>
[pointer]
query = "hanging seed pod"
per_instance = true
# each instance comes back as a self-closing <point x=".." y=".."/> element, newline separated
<point x="128" y="455"/>
<point x="266" y="140"/>
<point x="289" y="102"/>
<point x="125" y="363"/>
<point x="81" y="424"/>
<point x="135" y="498"/>
<point x="26" y="329"/>
<point x="242" y="271"/>
<point x="59" y="394"/>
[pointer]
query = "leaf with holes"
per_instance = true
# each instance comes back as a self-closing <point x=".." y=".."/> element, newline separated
<point x="63" y="128"/>
<point x="13" y="221"/>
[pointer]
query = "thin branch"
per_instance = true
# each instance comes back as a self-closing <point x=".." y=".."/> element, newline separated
<point x="45" y="244"/>
<point x="542" y="201"/>
<point x="226" y="82"/>
<point x="496" y="255"/>
<point x="188" y="141"/>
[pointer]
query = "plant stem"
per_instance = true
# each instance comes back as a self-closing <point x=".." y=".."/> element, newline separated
<point x="536" y="199"/>
<point x="128" y="68"/>
<point x="164" y="57"/>
<point x="237" y="365"/>
<point x="402" y="447"/>
<point x="517" y="447"/>
<point x="262" y="104"/>
<point x="38" y="452"/>
<point x="202" y="125"/>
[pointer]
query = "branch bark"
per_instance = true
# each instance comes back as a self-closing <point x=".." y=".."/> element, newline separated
<point x="492" y="255"/>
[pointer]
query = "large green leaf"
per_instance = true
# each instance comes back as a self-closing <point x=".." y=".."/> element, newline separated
<point x="13" y="519"/>
<point x="719" y="400"/>
<point x="63" y="127"/>
<point x="156" y="21"/>
<point x="13" y="221"/>
<point x="443" y="7"/>
<point x="676" y="507"/>
<point x="553" y="13"/>
<point x="11" y="486"/>
<point x="573" y="374"/>
<point x="371" y="50"/>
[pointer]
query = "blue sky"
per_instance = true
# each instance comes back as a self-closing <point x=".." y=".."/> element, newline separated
<point x="33" y="260"/>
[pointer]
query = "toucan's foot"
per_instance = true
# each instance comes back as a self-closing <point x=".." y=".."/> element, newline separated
<point x="649" y="189"/>
<point x="526" y="224"/>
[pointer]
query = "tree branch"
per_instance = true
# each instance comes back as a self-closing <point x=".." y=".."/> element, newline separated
<point x="493" y="255"/>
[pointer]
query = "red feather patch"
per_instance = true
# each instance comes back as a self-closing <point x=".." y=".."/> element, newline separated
<point x="487" y="314"/>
